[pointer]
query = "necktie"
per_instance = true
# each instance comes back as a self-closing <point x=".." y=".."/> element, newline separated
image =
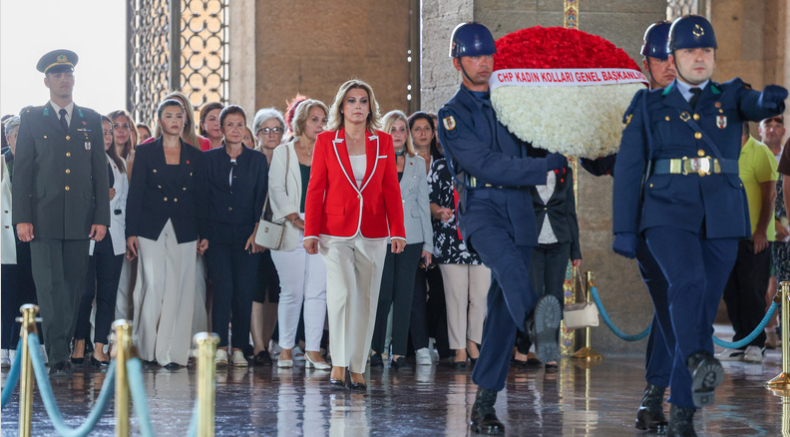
<point x="112" y="177"/>
<point x="695" y="96"/>
<point x="63" y="122"/>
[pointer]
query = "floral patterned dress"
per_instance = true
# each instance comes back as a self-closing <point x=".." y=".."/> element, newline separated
<point x="448" y="248"/>
<point x="781" y="250"/>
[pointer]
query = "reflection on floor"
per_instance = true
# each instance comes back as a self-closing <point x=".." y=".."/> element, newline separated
<point x="430" y="401"/>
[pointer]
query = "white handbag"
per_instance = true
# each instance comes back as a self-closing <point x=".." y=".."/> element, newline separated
<point x="581" y="315"/>
<point x="270" y="234"/>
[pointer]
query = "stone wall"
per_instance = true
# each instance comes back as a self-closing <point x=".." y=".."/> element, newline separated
<point x="439" y="79"/>
<point x="308" y="48"/>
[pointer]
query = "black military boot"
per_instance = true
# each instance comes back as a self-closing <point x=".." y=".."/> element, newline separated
<point x="681" y="422"/>
<point x="706" y="374"/>
<point x="650" y="415"/>
<point x="484" y="420"/>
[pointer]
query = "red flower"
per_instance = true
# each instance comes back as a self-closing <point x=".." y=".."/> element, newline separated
<point x="556" y="47"/>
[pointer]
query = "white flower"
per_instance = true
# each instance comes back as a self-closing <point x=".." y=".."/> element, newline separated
<point x="583" y="121"/>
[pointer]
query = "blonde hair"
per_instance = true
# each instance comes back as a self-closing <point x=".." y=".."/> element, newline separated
<point x="301" y="114"/>
<point x="336" y="118"/>
<point x="134" y="135"/>
<point x="389" y="120"/>
<point x="189" y="135"/>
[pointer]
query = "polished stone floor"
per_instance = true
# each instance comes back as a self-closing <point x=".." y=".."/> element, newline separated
<point x="430" y="401"/>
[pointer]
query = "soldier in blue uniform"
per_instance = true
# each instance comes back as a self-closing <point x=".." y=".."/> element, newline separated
<point x="492" y="171"/>
<point x="658" y="363"/>
<point x="677" y="184"/>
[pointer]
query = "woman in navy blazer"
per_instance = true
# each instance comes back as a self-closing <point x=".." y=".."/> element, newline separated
<point x="165" y="226"/>
<point x="237" y="184"/>
<point x="105" y="264"/>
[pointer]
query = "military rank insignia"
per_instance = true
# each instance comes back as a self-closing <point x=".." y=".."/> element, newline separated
<point x="721" y="121"/>
<point x="628" y="120"/>
<point x="449" y="122"/>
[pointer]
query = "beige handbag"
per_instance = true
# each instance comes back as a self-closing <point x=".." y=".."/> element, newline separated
<point x="270" y="234"/>
<point x="581" y="315"/>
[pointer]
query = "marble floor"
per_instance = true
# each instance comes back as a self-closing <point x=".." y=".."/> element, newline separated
<point x="574" y="400"/>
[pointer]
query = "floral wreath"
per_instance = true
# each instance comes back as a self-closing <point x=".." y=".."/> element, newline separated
<point x="563" y="90"/>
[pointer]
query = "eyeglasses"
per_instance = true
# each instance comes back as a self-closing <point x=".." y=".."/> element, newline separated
<point x="270" y="130"/>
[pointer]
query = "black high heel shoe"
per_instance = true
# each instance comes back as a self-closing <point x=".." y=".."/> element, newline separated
<point x="84" y="351"/>
<point x="99" y="364"/>
<point x="338" y="383"/>
<point x="355" y="385"/>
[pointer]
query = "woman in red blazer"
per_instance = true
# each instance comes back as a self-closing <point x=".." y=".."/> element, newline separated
<point x="353" y="204"/>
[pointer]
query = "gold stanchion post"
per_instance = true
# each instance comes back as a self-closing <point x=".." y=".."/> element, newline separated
<point x="587" y="353"/>
<point x="782" y="381"/>
<point x="123" y="344"/>
<point x="27" y="383"/>
<point x="207" y="348"/>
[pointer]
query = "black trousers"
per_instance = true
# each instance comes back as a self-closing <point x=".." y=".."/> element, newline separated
<point x="59" y="268"/>
<point x="101" y="282"/>
<point x="18" y="289"/>
<point x="744" y="293"/>
<point x="397" y="289"/>
<point x="547" y="274"/>
<point x="234" y="277"/>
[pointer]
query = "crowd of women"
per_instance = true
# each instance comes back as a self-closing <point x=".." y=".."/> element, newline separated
<point x="366" y="209"/>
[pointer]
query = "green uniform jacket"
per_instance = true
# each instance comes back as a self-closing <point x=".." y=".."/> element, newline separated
<point x="61" y="179"/>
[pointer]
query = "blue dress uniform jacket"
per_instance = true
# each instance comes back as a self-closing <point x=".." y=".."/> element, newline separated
<point x="153" y="199"/>
<point x="718" y="201"/>
<point x="234" y="211"/>
<point x="692" y="222"/>
<point x="480" y="146"/>
<point x="61" y="184"/>
<point x="496" y="218"/>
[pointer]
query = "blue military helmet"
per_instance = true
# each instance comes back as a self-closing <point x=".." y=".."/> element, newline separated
<point x="471" y="39"/>
<point x="655" y="40"/>
<point x="691" y="32"/>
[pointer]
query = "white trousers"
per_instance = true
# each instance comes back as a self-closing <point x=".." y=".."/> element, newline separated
<point x="353" y="282"/>
<point x="123" y="301"/>
<point x="465" y="286"/>
<point x="164" y="298"/>
<point x="199" y="315"/>
<point x="302" y="280"/>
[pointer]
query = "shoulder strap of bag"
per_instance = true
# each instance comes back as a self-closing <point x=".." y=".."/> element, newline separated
<point x="287" y="164"/>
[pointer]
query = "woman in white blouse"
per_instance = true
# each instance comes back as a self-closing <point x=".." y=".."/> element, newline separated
<point x="302" y="276"/>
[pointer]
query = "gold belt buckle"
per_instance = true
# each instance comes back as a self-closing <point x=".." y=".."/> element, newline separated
<point x="701" y="166"/>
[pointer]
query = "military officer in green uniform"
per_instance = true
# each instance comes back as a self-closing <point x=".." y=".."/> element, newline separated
<point x="61" y="198"/>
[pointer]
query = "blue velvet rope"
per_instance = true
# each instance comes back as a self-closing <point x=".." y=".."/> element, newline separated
<point x="45" y="389"/>
<point x="608" y="321"/>
<point x="13" y="377"/>
<point x="749" y="338"/>
<point x="134" y="369"/>
<point x="134" y="374"/>
<point x="719" y="342"/>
